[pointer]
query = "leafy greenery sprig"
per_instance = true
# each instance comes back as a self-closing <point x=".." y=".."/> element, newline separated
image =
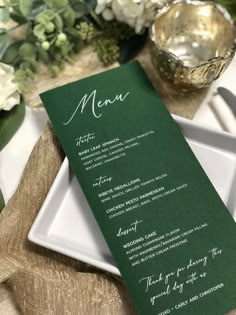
<point x="54" y="30"/>
<point x="230" y="5"/>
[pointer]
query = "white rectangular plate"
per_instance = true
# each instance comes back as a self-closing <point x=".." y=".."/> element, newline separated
<point x="66" y="224"/>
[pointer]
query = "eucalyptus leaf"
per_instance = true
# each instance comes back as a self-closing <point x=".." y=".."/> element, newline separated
<point x="58" y="21"/>
<point x="36" y="10"/>
<point x="10" y="122"/>
<point x="39" y="31"/>
<point x="80" y="9"/>
<point x="58" y="4"/>
<point x="37" y="6"/>
<point x="2" y="202"/>
<point x="12" y="52"/>
<point x="3" y="43"/>
<point x="90" y="5"/>
<point x="3" y="30"/>
<point x="131" y="47"/>
<point x="4" y="15"/>
<point x="18" y="18"/>
<point x="25" y="6"/>
<point x="73" y="32"/>
<point x="43" y="55"/>
<point x="69" y="16"/>
<point x="37" y="3"/>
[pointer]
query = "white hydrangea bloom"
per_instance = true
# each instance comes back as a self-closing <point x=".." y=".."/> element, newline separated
<point x="9" y="95"/>
<point x="138" y="14"/>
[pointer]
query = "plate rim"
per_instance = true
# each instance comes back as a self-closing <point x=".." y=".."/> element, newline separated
<point x="34" y="237"/>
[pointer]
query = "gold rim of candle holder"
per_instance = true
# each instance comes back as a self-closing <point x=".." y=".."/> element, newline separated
<point x="174" y="69"/>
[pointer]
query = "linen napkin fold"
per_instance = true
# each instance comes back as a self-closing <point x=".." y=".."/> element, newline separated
<point x="41" y="281"/>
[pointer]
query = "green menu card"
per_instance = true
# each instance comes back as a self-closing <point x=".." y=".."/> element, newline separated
<point x="169" y="232"/>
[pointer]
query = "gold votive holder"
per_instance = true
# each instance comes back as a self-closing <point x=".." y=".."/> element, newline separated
<point x="192" y="42"/>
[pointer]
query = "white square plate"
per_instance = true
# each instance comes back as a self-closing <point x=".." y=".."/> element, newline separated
<point x="66" y="224"/>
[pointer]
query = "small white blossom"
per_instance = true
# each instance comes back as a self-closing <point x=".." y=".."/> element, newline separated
<point x="138" y="14"/>
<point x="9" y="95"/>
<point x="108" y="14"/>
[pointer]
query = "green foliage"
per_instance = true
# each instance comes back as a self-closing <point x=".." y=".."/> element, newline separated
<point x="10" y="121"/>
<point x="18" y="17"/>
<point x="25" y="6"/>
<point x="230" y="5"/>
<point x="107" y="50"/>
<point x="57" y="3"/>
<point x="87" y="31"/>
<point x="107" y="38"/>
<point x="4" y="15"/>
<point x="69" y="17"/>
<point x="39" y="32"/>
<point x="56" y="29"/>
<point x="117" y="30"/>
<point x="11" y="53"/>
<point x="25" y="74"/>
<point x="2" y="202"/>
<point x="27" y="51"/>
<point x="3" y="42"/>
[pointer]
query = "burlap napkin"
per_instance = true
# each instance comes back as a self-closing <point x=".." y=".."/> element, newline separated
<point x="34" y="280"/>
<point x="41" y="281"/>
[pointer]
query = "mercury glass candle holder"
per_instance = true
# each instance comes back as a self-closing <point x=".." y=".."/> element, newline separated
<point x="192" y="42"/>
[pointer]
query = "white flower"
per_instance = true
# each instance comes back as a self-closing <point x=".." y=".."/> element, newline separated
<point x="9" y="95"/>
<point x="138" y="14"/>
